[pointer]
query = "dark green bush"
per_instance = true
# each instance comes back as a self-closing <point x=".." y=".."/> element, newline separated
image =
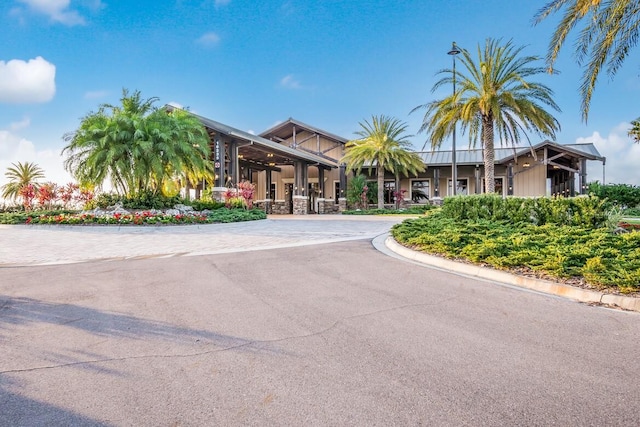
<point x="236" y="215"/>
<point x="579" y="211"/>
<point x="141" y="200"/>
<point x="150" y="200"/>
<point x="631" y="212"/>
<point x="621" y="195"/>
<point x="200" y="205"/>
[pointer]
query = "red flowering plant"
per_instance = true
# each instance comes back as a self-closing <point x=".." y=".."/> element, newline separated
<point x="399" y="197"/>
<point x="232" y="199"/>
<point x="68" y="193"/>
<point x="246" y="190"/>
<point x="85" y="196"/>
<point x="28" y="193"/>
<point x="46" y="194"/>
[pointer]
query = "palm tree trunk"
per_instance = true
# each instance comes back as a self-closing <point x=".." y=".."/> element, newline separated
<point x="380" y="169"/>
<point x="489" y="155"/>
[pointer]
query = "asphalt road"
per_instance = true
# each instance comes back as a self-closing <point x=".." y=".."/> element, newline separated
<point x="329" y="335"/>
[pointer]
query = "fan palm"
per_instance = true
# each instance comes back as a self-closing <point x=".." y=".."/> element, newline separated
<point x="610" y="31"/>
<point x="383" y="143"/>
<point x="495" y="96"/>
<point x="20" y="175"/>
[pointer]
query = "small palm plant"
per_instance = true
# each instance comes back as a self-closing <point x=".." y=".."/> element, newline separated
<point x="20" y="176"/>
<point x="383" y="144"/>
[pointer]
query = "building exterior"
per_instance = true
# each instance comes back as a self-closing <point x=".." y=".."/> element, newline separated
<point x="296" y="169"/>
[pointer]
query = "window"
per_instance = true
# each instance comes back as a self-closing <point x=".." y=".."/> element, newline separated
<point x="272" y="191"/>
<point x="461" y="189"/>
<point x="336" y="190"/>
<point x="420" y="191"/>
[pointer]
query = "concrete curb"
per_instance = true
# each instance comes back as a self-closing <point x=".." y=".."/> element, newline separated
<point x="545" y="286"/>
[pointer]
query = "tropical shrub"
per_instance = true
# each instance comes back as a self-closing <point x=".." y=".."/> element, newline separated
<point x="201" y="205"/>
<point x="582" y="211"/>
<point x="361" y="193"/>
<point x="622" y="195"/>
<point x="596" y="256"/>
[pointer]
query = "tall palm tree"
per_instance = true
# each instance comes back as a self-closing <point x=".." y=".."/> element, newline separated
<point x="610" y="30"/>
<point x="494" y="96"/>
<point x="20" y="175"/>
<point x="383" y="143"/>
<point x="137" y="146"/>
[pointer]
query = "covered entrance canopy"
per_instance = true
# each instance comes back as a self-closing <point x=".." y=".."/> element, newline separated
<point x="237" y="154"/>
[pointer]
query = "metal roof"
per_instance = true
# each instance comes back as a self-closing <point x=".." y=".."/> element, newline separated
<point x="502" y="155"/>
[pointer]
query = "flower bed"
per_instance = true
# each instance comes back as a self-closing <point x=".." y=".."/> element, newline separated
<point x="149" y="217"/>
<point x="138" y="218"/>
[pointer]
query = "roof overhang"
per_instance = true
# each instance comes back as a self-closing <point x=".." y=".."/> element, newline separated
<point x="286" y="130"/>
<point x="258" y="151"/>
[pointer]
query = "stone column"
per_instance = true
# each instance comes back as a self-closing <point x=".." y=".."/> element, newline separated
<point x="300" y="205"/>
<point x="342" y="204"/>
<point x="321" y="207"/>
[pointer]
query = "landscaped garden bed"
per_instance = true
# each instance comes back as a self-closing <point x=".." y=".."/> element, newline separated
<point x="570" y="240"/>
<point x="146" y="217"/>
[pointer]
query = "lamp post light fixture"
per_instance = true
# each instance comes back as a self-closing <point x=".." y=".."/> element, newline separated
<point x="454" y="167"/>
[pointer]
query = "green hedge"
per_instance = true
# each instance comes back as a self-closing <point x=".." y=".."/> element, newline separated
<point x="412" y="210"/>
<point x="601" y="258"/>
<point x="621" y="195"/>
<point x="585" y="211"/>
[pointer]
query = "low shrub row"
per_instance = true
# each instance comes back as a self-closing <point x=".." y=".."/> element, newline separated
<point x="586" y="211"/>
<point x="412" y="210"/>
<point x="620" y="195"/>
<point x="595" y="255"/>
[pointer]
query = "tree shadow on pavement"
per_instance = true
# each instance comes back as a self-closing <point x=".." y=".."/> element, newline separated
<point x="25" y="311"/>
<point x="18" y="410"/>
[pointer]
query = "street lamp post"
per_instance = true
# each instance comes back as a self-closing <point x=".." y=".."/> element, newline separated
<point x="454" y="169"/>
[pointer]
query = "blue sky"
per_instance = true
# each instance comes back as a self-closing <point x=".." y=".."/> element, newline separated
<point x="251" y="64"/>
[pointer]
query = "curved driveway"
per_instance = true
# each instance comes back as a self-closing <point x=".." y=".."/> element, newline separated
<point x="334" y="334"/>
<point x="51" y="244"/>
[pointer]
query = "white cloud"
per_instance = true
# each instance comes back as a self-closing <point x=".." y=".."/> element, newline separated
<point x="27" y="82"/>
<point x="622" y="154"/>
<point x="290" y="82"/>
<point x="95" y="94"/>
<point x="57" y="10"/>
<point x="209" y="39"/>
<point x="22" y="124"/>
